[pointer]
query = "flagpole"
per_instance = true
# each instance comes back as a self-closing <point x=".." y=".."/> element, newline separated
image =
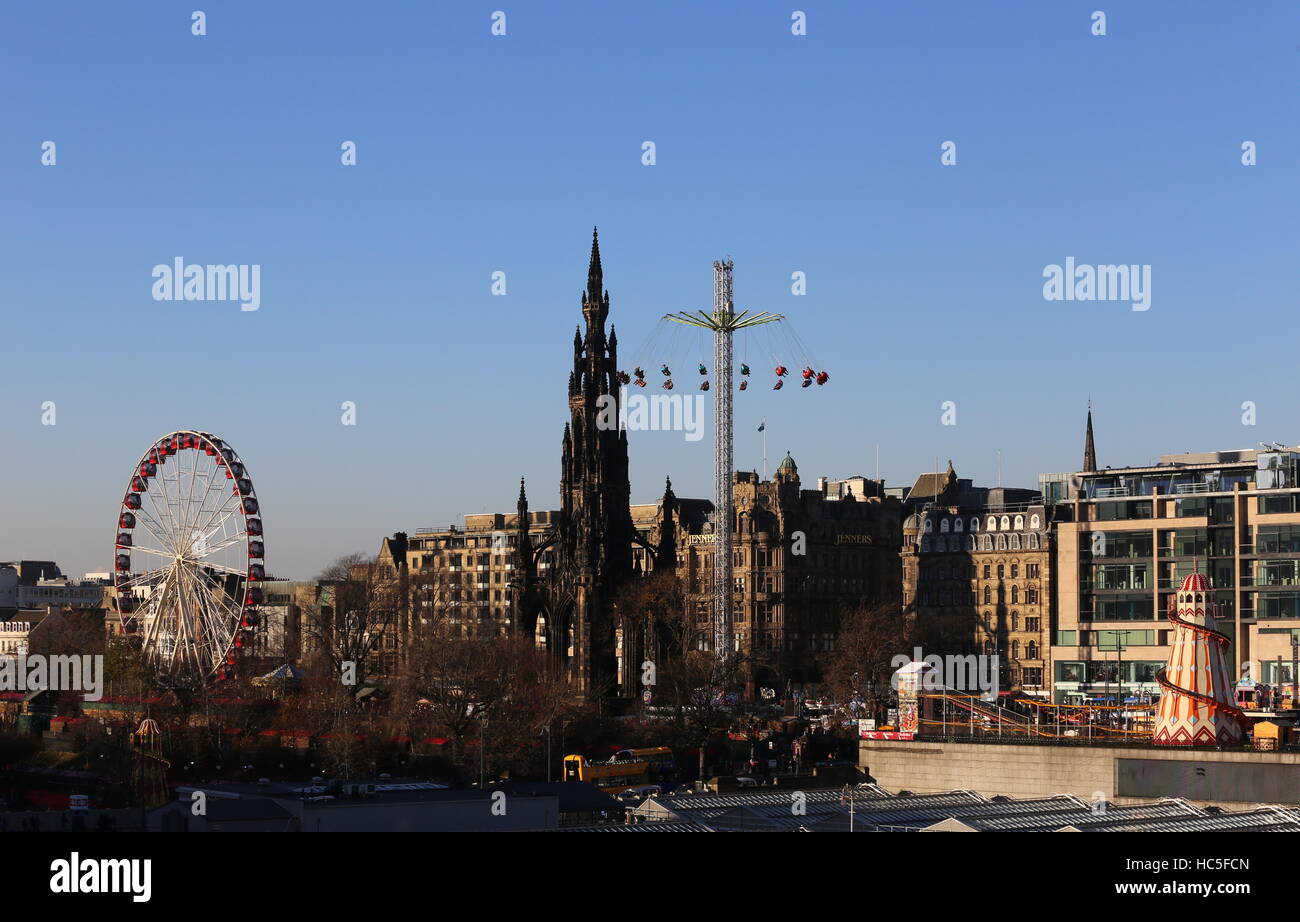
<point x="762" y="427"/>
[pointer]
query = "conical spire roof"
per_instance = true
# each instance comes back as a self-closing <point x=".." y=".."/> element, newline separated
<point x="1089" y="447"/>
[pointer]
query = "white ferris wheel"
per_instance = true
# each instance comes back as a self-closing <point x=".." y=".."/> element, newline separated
<point x="188" y="557"/>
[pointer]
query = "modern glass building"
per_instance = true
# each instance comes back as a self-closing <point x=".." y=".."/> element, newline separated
<point x="1136" y="532"/>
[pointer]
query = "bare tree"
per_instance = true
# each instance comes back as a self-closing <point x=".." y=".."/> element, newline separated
<point x="702" y="692"/>
<point x="493" y="693"/>
<point x="650" y="613"/>
<point x="870" y="636"/>
<point x="699" y="689"/>
<point x="341" y="567"/>
<point x="352" y="622"/>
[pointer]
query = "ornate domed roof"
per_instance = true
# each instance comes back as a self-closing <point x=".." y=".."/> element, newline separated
<point x="1195" y="582"/>
<point x="787" y="464"/>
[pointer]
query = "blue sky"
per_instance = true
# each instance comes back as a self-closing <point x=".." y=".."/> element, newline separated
<point x="476" y="153"/>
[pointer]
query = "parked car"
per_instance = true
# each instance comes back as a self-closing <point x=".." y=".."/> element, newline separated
<point x="639" y="793"/>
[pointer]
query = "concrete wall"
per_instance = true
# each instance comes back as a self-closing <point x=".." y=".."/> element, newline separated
<point x="1036" y="771"/>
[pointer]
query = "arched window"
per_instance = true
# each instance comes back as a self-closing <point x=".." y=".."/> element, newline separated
<point x="1015" y="597"/>
<point x="1034" y="521"/>
<point x="1033" y="541"/>
<point x="1002" y="571"/>
<point x="974" y="524"/>
<point x="1015" y="541"/>
<point x="1032" y="650"/>
<point x="988" y="597"/>
<point x="944" y="527"/>
<point x="1015" y="649"/>
<point x="986" y="542"/>
<point x="992" y="524"/>
<point x="1002" y="542"/>
<point x="1020" y="523"/>
<point x="1015" y="620"/>
<point x="970" y="542"/>
<point x="1006" y="522"/>
<point x="956" y="525"/>
<point x="1015" y="570"/>
<point x="925" y="545"/>
<point x="929" y="526"/>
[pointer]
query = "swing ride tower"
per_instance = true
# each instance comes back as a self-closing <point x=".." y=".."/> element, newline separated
<point x="722" y="322"/>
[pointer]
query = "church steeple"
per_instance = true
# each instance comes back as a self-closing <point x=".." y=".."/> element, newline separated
<point x="1089" y="447"/>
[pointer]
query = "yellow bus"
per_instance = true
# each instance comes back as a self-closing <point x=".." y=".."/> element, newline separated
<point x="627" y="768"/>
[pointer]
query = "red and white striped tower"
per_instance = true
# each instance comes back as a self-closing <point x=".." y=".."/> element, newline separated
<point x="1196" y="701"/>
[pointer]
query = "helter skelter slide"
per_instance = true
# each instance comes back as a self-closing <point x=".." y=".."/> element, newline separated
<point x="1196" y="707"/>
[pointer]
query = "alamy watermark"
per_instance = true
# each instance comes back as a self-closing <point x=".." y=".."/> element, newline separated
<point x="195" y="282"/>
<point x="25" y="672"/>
<point x="969" y="673"/>
<point x="653" y="412"/>
<point x="1083" y="282"/>
<point x="75" y="874"/>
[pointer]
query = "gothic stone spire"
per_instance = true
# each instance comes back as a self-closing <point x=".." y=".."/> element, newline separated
<point x="595" y="275"/>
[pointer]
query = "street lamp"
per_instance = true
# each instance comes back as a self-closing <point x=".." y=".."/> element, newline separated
<point x="1120" y="637"/>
